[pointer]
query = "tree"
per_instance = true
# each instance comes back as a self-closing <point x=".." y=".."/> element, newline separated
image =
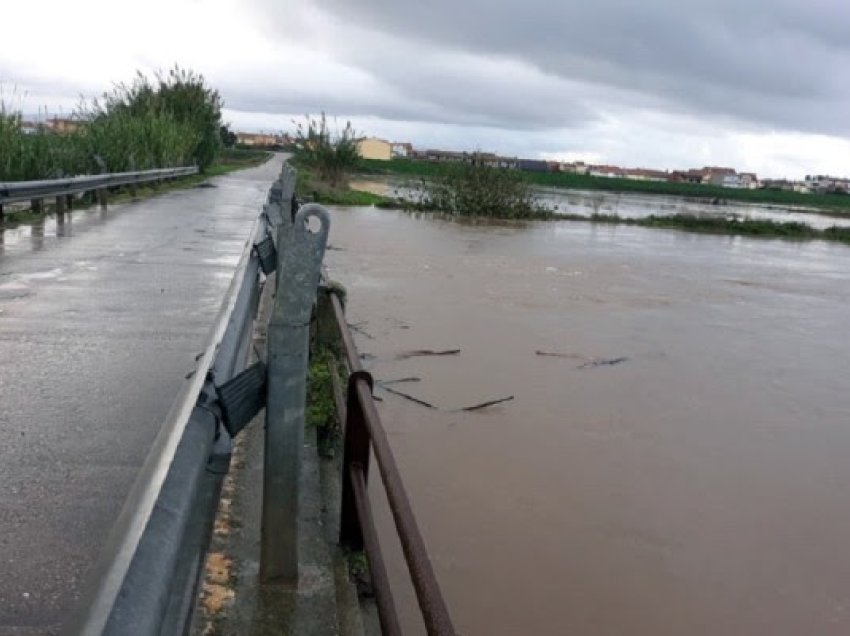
<point x="227" y="136"/>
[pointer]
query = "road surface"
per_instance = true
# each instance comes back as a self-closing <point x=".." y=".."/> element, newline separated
<point x="100" y="319"/>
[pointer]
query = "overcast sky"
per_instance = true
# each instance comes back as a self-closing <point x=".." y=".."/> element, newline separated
<point x="760" y="85"/>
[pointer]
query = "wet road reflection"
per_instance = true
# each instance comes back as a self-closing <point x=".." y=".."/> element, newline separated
<point x="101" y="317"/>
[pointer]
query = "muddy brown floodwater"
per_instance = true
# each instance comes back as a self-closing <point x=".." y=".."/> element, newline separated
<point x="700" y="486"/>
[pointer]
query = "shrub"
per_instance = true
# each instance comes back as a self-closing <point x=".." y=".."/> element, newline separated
<point x="478" y="190"/>
<point x="172" y="121"/>
<point x="178" y="108"/>
<point x="331" y="154"/>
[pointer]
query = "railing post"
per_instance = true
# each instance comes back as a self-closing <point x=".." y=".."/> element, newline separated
<point x="355" y="453"/>
<point x="300" y="253"/>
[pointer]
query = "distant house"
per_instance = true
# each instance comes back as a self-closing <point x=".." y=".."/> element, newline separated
<point x="777" y="184"/>
<point x="63" y="126"/>
<point x="533" y="165"/>
<point x="825" y="183"/>
<point x="30" y="127"/>
<point x="374" y="148"/>
<point x="574" y="167"/>
<point x="645" y="174"/>
<point x="258" y="139"/>
<point x="443" y="156"/>
<point x="606" y="171"/>
<point x="748" y="180"/>
<point x="687" y="176"/>
<point x="401" y="150"/>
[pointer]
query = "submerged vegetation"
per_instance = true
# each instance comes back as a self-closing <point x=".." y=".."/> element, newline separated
<point x="473" y="190"/>
<point x="171" y="120"/>
<point x="723" y="225"/>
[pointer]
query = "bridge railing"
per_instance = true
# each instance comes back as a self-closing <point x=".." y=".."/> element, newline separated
<point x="363" y="431"/>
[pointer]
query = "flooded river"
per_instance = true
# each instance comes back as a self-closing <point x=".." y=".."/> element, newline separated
<point x="679" y="467"/>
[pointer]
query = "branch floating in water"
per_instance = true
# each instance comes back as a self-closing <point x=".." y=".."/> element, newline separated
<point x="601" y="362"/>
<point x="556" y="354"/>
<point x="427" y="352"/>
<point x="400" y="380"/>
<point x="484" y="405"/>
<point x="409" y="397"/>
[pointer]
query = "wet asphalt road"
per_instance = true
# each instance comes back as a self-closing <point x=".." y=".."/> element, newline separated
<point x="100" y="319"/>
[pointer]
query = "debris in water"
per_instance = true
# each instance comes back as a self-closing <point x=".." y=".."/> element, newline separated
<point x="484" y="405"/>
<point x="400" y="380"/>
<point x="409" y="397"/>
<point x="427" y="352"/>
<point x="601" y="362"/>
<point x="589" y="363"/>
<point x="359" y="329"/>
<point x="556" y="354"/>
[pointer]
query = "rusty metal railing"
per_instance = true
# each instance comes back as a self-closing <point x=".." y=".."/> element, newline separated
<point x="363" y="431"/>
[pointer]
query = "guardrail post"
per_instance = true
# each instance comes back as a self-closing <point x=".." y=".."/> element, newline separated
<point x="36" y="205"/>
<point x="300" y="253"/>
<point x="60" y="204"/>
<point x="287" y="192"/>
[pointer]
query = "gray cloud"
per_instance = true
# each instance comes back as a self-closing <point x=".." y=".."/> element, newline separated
<point x="765" y="63"/>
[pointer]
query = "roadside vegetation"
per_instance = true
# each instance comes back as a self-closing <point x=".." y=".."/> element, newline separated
<point x="172" y="119"/>
<point x="837" y="203"/>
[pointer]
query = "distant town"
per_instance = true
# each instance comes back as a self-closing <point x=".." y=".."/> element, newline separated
<point x="382" y="150"/>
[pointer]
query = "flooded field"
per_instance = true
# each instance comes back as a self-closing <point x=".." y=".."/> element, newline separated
<point x="678" y="466"/>
<point x="632" y="206"/>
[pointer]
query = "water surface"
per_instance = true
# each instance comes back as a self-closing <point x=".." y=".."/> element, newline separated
<point x="698" y="487"/>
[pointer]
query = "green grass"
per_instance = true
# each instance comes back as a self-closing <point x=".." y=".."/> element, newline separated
<point x="722" y="225"/>
<point x="309" y="186"/>
<point x="836" y="203"/>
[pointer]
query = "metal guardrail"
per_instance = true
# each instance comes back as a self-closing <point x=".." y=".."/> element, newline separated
<point x="147" y="574"/>
<point x="363" y="429"/>
<point x="18" y="191"/>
